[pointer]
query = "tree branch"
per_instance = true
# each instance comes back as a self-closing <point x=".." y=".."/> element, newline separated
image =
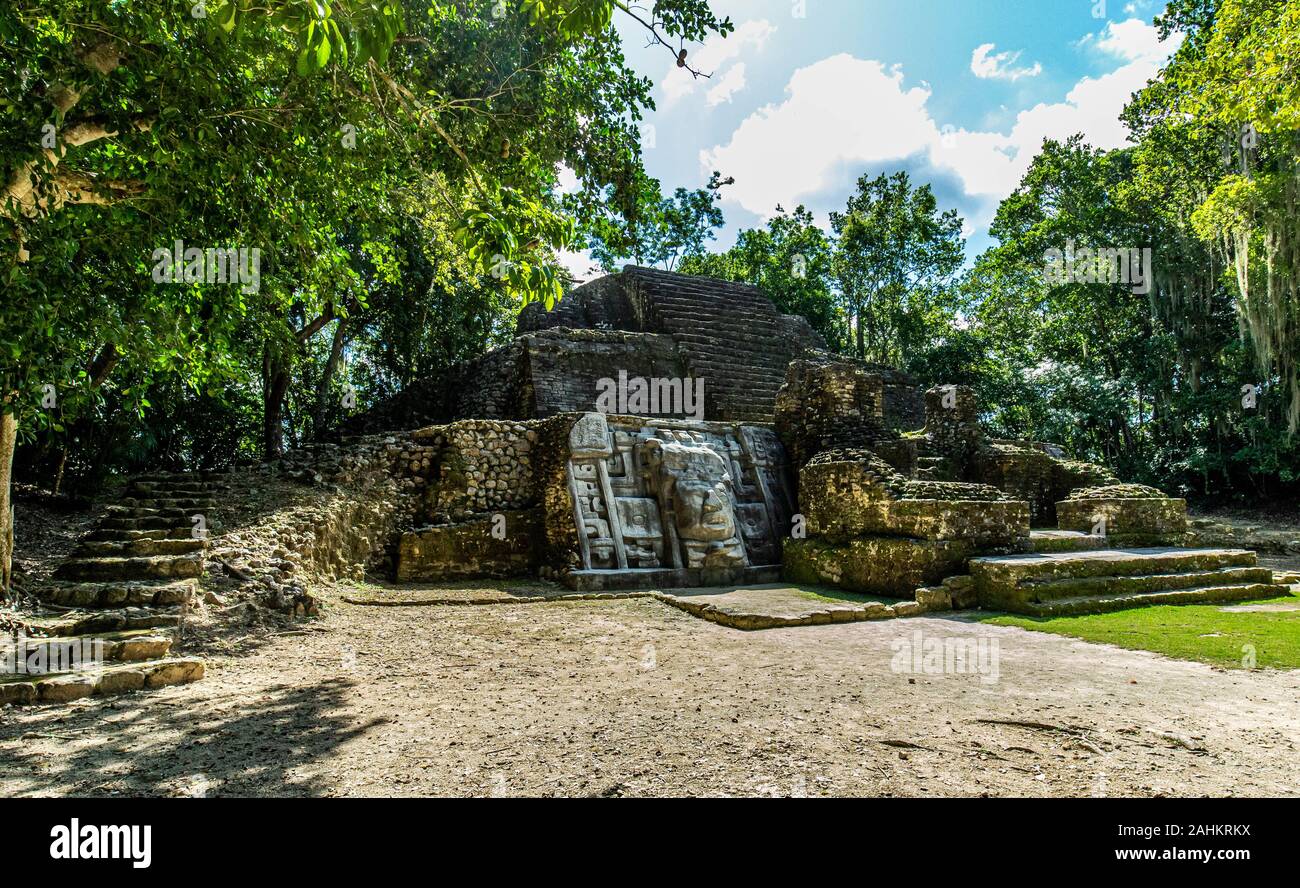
<point x="656" y="37"/>
<point x="315" y="326"/>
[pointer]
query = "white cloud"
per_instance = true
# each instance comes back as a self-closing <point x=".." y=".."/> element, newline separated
<point x="712" y="58"/>
<point x="843" y="115"/>
<point x="1134" y="40"/>
<point x="989" y="65"/>
<point x="839" y="109"/>
<point x="579" y="264"/>
<point x="731" y="83"/>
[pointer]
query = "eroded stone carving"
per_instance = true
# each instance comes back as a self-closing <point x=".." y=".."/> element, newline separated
<point x="694" y="486"/>
<point x="677" y="493"/>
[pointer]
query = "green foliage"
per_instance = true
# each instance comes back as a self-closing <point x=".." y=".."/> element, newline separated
<point x="660" y="231"/>
<point x="321" y="133"/>
<point x="895" y="258"/>
<point x="1150" y="383"/>
<point x="1234" y="82"/>
<point x="790" y="261"/>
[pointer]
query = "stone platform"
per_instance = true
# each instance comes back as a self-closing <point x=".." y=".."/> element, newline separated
<point x="777" y="605"/>
<point x="1059" y="583"/>
<point x="1065" y="541"/>
<point x="117" y="662"/>
<point x="670" y="578"/>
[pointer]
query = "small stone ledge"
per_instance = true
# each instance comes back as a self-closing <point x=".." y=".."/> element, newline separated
<point x="734" y="618"/>
<point x="660" y="578"/>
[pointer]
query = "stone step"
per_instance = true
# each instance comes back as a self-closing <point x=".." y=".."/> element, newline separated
<point x="144" y="568"/>
<point x="1056" y="540"/>
<point x="116" y="595"/>
<point x="86" y="622"/>
<point x="104" y="680"/>
<point x="204" y="493"/>
<point x="172" y="488"/>
<point x="1076" y="587"/>
<point x="731" y="332"/>
<point x="748" y="388"/>
<point x="137" y="548"/>
<point x="132" y="511"/>
<point x="181" y="477"/>
<point x="701" y="302"/>
<point x="725" y="368"/>
<point x="666" y="283"/>
<point x="159" y="503"/>
<point x="1098" y="604"/>
<point x="721" y="347"/>
<point x="109" y="535"/>
<point x="151" y="523"/>
<point x="1112" y="562"/>
<point x="740" y="338"/>
<point x="733" y="371"/>
<point x="1015" y="582"/>
<point x="65" y="653"/>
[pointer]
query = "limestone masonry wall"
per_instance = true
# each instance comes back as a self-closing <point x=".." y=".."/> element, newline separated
<point x="490" y="387"/>
<point x="825" y="405"/>
<point x="563" y="367"/>
<point x="473" y="467"/>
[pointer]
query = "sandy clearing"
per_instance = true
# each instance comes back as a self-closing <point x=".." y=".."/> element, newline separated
<point x="633" y="697"/>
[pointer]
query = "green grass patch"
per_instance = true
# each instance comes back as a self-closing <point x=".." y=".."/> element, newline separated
<point x="1202" y="632"/>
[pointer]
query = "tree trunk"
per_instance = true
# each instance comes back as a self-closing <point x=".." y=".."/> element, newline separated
<point x="321" y="412"/>
<point x="8" y="440"/>
<point x="275" y="384"/>
<point x="58" y="470"/>
<point x="859" y="310"/>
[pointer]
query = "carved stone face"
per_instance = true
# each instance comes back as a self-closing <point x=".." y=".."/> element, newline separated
<point x="704" y="510"/>
<point x="695" y="481"/>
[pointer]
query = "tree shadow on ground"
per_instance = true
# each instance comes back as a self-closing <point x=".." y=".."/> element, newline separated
<point x="222" y="746"/>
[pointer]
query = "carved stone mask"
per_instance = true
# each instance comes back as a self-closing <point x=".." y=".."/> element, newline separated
<point x="696" y="482"/>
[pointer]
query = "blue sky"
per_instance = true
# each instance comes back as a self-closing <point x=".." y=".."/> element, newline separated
<point x="960" y="93"/>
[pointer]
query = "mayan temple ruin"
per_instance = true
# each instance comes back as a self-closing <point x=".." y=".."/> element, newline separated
<point x="805" y="468"/>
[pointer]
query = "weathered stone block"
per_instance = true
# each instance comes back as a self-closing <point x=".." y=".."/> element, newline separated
<point x="484" y="547"/>
<point x="934" y="598"/>
<point x="65" y="688"/>
<point x="1125" y="515"/>
<point x="892" y="566"/>
<point x="841" y="500"/>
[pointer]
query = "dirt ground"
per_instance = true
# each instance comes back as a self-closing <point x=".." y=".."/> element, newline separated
<point x="635" y="698"/>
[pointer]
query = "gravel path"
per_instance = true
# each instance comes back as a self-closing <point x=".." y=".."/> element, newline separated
<point x="636" y="698"/>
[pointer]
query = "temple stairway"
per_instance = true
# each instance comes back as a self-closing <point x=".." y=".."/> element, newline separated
<point x="735" y="346"/>
<point x="132" y="576"/>
<point x="1086" y="581"/>
<point x="129" y="660"/>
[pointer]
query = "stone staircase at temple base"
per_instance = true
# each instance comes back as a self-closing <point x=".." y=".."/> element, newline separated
<point x="131" y="577"/>
<point x="1093" y="581"/>
<point x="105" y="663"/>
<point x="735" y="346"/>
